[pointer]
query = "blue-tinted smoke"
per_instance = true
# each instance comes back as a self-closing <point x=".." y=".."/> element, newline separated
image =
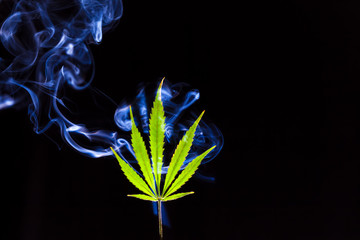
<point x="46" y="52"/>
<point x="48" y="46"/>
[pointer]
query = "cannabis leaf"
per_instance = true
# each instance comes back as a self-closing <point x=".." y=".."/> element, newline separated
<point x="152" y="170"/>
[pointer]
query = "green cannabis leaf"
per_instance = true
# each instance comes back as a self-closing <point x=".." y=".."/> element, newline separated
<point x="151" y="171"/>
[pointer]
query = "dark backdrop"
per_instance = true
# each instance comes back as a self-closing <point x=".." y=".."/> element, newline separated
<point x="280" y="80"/>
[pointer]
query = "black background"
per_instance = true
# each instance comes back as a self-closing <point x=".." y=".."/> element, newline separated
<point x="280" y="80"/>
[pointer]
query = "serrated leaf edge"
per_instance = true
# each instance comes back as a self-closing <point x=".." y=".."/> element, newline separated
<point x="187" y="173"/>
<point x="141" y="153"/>
<point x="157" y="136"/>
<point x="181" y="153"/>
<point x="132" y="175"/>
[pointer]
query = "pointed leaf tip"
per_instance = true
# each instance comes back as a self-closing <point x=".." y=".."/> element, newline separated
<point x="131" y="114"/>
<point x="200" y="116"/>
<point x="158" y="93"/>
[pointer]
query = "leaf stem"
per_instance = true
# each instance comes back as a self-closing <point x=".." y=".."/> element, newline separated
<point x="160" y="220"/>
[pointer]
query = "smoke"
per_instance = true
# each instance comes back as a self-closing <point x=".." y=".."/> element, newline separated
<point x="45" y="56"/>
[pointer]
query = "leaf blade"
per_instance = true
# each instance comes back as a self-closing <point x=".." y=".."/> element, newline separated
<point x="141" y="153"/>
<point x="157" y="136"/>
<point x="180" y="153"/>
<point x="132" y="175"/>
<point x="187" y="173"/>
<point x="176" y="196"/>
<point x="143" y="197"/>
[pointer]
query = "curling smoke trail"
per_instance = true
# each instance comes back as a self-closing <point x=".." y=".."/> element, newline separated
<point x="47" y="52"/>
